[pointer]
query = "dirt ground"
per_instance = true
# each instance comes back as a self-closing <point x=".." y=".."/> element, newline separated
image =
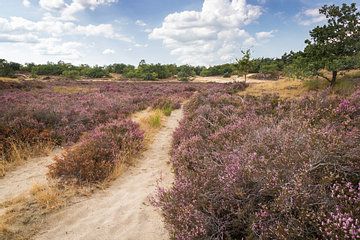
<point x="21" y="179"/>
<point x="220" y="79"/>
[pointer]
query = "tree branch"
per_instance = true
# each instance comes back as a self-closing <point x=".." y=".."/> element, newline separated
<point x="323" y="76"/>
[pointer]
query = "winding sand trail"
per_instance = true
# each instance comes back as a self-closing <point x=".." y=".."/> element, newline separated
<point x="123" y="210"/>
<point x="21" y="179"/>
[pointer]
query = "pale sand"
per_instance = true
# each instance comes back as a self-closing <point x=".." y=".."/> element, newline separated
<point x="220" y="79"/>
<point x="21" y="179"/>
<point x="123" y="210"/>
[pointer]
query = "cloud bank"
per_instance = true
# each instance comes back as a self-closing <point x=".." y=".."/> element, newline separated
<point x="47" y="35"/>
<point x="214" y="34"/>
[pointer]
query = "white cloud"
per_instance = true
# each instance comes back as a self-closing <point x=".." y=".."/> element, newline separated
<point x="263" y="36"/>
<point x="19" y="38"/>
<point x="52" y="5"/>
<point x="79" y="5"/>
<point x="55" y="27"/>
<point x="141" y="45"/>
<point x="215" y="34"/>
<point x="54" y="46"/>
<point x="108" y="51"/>
<point x="26" y="3"/>
<point x="140" y="23"/>
<point x="310" y="17"/>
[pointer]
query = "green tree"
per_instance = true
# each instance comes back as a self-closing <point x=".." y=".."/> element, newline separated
<point x="270" y="70"/>
<point x="243" y="65"/>
<point x="333" y="46"/>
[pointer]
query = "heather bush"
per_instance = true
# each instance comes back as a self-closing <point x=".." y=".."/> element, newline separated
<point x="94" y="158"/>
<point x="262" y="168"/>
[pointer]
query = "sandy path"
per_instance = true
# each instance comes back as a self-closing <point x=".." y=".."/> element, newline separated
<point x="122" y="211"/>
<point x="20" y="180"/>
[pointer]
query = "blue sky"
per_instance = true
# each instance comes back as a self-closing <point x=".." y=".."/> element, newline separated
<point x="198" y="32"/>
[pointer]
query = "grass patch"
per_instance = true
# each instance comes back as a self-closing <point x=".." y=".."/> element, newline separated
<point x="292" y="88"/>
<point x="167" y="110"/>
<point x="345" y="85"/>
<point x="352" y="74"/>
<point x="285" y="88"/>
<point x="150" y="122"/>
<point x="315" y="84"/>
<point x="154" y="119"/>
<point x="71" y="90"/>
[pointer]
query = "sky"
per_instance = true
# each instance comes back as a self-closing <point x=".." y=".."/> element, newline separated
<point x="197" y="32"/>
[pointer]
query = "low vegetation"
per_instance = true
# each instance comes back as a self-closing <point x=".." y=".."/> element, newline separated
<point x="37" y="115"/>
<point x="272" y="160"/>
<point x="95" y="157"/>
<point x="260" y="167"/>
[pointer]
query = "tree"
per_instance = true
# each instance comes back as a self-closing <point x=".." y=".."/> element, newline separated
<point x="270" y="70"/>
<point x="333" y="46"/>
<point x="243" y="65"/>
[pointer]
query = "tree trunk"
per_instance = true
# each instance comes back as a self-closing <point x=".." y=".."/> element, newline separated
<point x="333" y="79"/>
<point x="245" y="77"/>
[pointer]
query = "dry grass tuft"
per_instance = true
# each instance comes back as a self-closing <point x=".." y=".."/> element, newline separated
<point x="8" y="79"/>
<point x="20" y="152"/>
<point x="47" y="197"/>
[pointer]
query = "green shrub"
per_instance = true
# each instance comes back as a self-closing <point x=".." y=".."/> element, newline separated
<point x="167" y="110"/>
<point x="72" y="74"/>
<point x="150" y="76"/>
<point x="8" y="69"/>
<point x="183" y="76"/>
<point x="227" y="75"/>
<point x="94" y="72"/>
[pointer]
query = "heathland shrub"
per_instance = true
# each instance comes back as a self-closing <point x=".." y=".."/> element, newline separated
<point x="260" y="168"/>
<point x="97" y="154"/>
<point x="34" y="112"/>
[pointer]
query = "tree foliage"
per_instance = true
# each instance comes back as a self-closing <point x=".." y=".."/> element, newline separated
<point x="8" y="69"/>
<point x="244" y="64"/>
<point x="334" y="45"/>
